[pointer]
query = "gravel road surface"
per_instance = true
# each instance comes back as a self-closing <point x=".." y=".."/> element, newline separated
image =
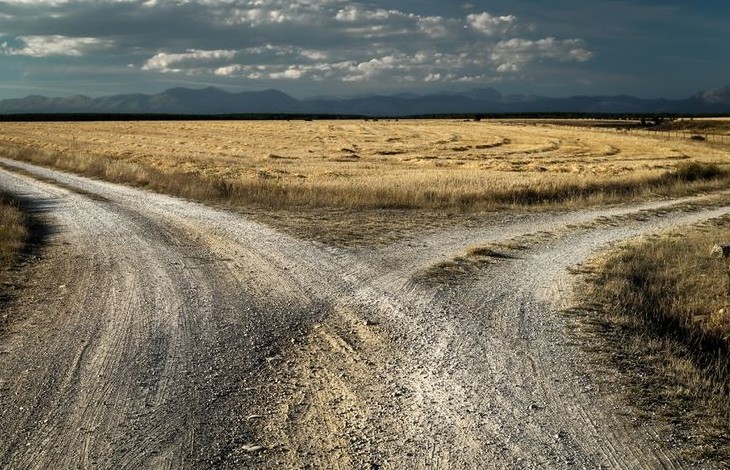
<point x="155" y="332"/>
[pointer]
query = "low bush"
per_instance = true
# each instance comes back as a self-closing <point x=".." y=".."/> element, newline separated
<point x="698" y="171"/>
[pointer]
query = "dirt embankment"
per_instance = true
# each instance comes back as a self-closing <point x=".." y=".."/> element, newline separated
<point x="159" y="333"/>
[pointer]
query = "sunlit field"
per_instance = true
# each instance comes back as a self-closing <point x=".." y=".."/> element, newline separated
<point x="456" y="164"/>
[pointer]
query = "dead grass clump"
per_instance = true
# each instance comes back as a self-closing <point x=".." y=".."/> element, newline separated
<point x="698" y="171"/>
<point x="664" y="302"/>
<point x="578" y="191"/>
<point x="487" y="252"/>
<point x="273" y="156"/>
<point x="13" y="231"/>
<point x="464" y="267"/>
<point x="13" y="237"/>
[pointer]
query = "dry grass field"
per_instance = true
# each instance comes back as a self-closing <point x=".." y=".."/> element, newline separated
<point x="406" y="164"/>
<point x="352" y="169"/>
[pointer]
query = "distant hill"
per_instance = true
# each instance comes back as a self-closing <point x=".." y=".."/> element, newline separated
<point x="213" y="101"/>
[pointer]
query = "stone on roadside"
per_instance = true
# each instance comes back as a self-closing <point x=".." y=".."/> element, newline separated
<point x="252" y="448"/>
<point x="721" y="250"/>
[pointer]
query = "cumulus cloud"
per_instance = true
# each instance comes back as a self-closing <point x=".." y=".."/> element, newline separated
<point x="359" y="14"/>
<point x="258" y="17"/>
<point x="491" y="25"/>
<point x="257" y="13"/>
<point x="437" y="26"/>
<point x="54" y="45"/>
<point x="513" y="54"/>
<point x="291" y="73"/>
<point x="188" y="62"/>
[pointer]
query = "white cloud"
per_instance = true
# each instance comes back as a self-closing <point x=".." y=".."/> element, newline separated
<point x="490" y="25"/>
<point x="436" y="26"/>
<point x="439" y="77"/>
<point x="508" y="67"/>
<point x="512" y="55"/>
<point x="359" y="14"/>
<point x="381" y="23"/>
<point x="291" y="73"/>
<point x="55" y="45"/>
<point x="187" y="62"/>
<point x="313" y="55"/>
<point x="256" y="13"/>
<point x="258" y="16"/>
<point x="484" y="78"/>
<point x="227" y="71"/>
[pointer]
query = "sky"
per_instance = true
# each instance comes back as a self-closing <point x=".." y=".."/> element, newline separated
<point x="307" y="48"/>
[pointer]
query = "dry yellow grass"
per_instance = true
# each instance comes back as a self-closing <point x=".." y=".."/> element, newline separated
<point x="444" y="164"/>
<point x="13" y="237"/>
<point x="13" y="231"/>
<point x="664" y="304"/>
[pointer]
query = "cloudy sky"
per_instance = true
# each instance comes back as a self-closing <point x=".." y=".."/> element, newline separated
<point x="649" y="48"/>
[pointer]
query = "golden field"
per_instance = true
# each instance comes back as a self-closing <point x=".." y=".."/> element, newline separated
<point x="359" y="164"/>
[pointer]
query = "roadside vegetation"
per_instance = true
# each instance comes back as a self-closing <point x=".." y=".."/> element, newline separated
<point x="362" y="170"/>
<point x="699" y="125"/>
<point x="663" y="305"/>
<point x="13" y="231"/>
<point x="13" y="237"/>
<point x="455" y="190"/>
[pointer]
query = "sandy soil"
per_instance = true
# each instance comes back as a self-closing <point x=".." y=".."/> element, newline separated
<point x="160" y="333"/>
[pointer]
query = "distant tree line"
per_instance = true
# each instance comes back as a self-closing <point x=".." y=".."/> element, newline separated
<point x="645" y="120"/>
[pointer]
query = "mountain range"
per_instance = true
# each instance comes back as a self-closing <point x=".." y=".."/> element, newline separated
<point x="214" y="101"/>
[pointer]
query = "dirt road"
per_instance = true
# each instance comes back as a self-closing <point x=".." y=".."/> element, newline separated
<point x="160" y="333"/>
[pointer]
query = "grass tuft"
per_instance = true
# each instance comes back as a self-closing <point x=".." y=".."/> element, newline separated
<point x="487" y="252"/>
<point x="698" y="171"/>
<point x="13" y="238"/>
<point x="13" y="231"/>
